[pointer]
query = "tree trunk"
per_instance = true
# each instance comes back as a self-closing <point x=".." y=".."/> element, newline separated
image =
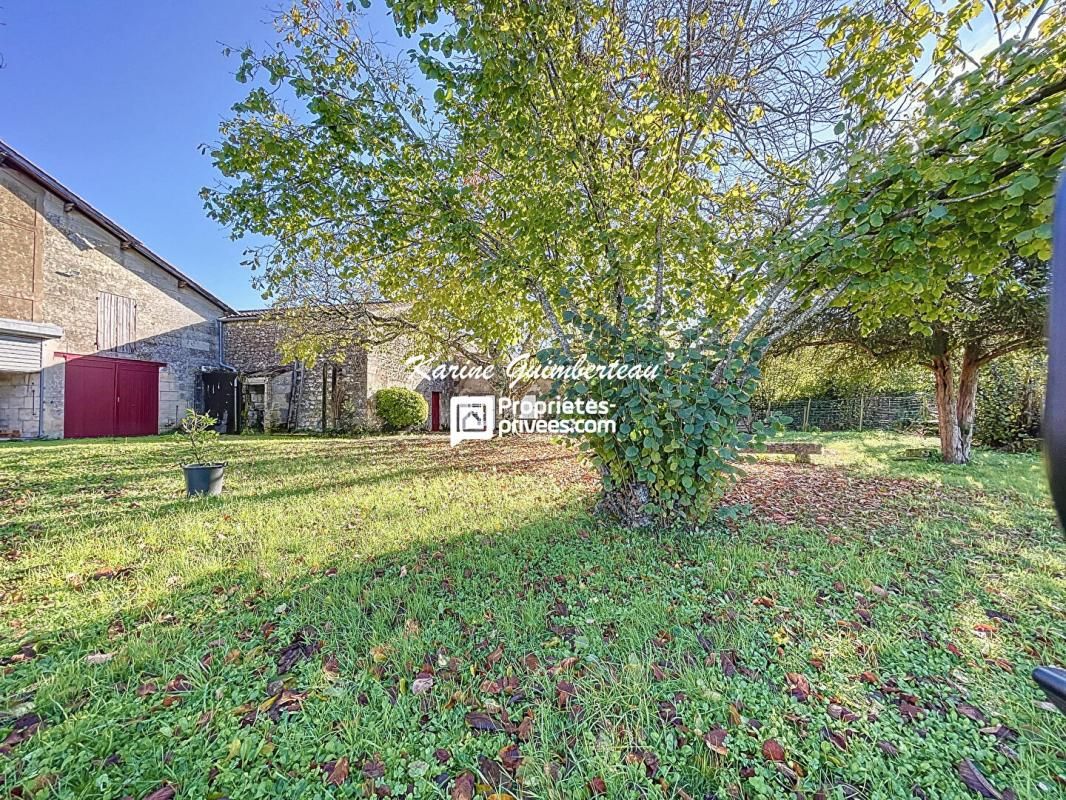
<point x="955" y="406"/>
<point x="967" y="402"/>
<point x="946" y="409"/>
<point x="627" y="504"/>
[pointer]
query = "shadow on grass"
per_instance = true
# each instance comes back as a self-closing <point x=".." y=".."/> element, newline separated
<point x="240" y="683"/>
<point x="645" y="618"/>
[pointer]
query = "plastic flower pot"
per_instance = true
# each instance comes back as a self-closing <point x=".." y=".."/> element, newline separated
<point x="203" y="479"/>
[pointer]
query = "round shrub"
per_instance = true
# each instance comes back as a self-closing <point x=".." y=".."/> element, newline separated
<point x="400" y="408"/>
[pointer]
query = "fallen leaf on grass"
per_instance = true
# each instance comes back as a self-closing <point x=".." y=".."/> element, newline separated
<point x="330" y="666"/>
<point x="98" y="658"/>
<point x="565" y="692"/>
<point x="463" y="788"/>
<point x="972" y="777"/>
<point x="510" y="756"/>
<point x="734" y="714"/>
<point x="25" y="727"/>
<point x="525" y="728"/>
<point x="165" y="792"/>
<point x="304" y="645"/>
<point x="728" y="661"/>
<point x="799" y="686"/>
<point x="888" y="748"/>
<point x="421" y="685"/>
<point x="179" y="684"/>
<point x="909" y="710"/>
<point x="970" y="712"/>
<point x="837" y="711"/>
<point x="597" y="786"/>
<point x="480" y="721"/>
<point x="773" y="751"/>
<point x="494" y="657"/>
<point x="715" y="738"/>
<point x="490" y="770"/>
<point x="27" y="652"/>
<point x="837" y="739"/>
<point x="374" y="768"/>
<point x="338" y="774"/>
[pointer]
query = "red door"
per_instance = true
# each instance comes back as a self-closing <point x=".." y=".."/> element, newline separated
<point x="110" y="397"/>
<point x="89" y="398"/>
<point x="136" y="399"/>
<point x="434" y="413"/>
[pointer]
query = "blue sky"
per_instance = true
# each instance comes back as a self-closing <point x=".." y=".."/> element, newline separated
<point x="113" y="99"/>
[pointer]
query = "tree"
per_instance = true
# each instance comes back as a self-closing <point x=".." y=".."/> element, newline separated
<point x="985" y="325"/>
<point x="631" y="182"/>
<point x="599" y="180"/>
<point x="942" y="232"/>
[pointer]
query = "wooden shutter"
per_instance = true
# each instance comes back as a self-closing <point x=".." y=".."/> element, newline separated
<point x="116" y="323"/>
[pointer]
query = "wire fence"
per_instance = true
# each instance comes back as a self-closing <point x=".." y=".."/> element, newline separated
<point x="883" y="412"/>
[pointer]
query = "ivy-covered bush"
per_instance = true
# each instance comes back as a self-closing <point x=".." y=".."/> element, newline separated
<point x="1010" y="396"/>
<point x="400" y="408"/>
<point x="677" y="435"/>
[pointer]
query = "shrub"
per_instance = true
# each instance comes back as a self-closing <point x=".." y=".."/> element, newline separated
<point x="197" y="432"/>
<point x="400" y="408"/>
<point x="670" y="458"/>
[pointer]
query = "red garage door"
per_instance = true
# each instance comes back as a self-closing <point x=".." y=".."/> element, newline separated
<point x="110" y="397"/>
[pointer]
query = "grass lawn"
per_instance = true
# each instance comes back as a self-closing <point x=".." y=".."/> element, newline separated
<point x="389" y="616"/>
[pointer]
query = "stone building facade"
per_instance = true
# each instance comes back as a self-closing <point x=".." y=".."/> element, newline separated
<point x="334" y="394"/>
<point x="89" y="315"/>
<point x="100" y="336"/>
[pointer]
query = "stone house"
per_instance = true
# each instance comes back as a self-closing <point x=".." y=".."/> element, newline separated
<point x="99" y="336"/>
<point x="336" y="393"/>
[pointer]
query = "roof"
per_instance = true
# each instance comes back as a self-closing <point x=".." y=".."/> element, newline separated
<point x="245" y="313"/>
<point x="12" y="158"/>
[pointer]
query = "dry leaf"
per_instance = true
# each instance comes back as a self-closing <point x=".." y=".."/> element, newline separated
<point x="773" y="751"/>
<point x="339" y="773"/>
<point x="463" y="788"/>
<point x="972" y="777"/>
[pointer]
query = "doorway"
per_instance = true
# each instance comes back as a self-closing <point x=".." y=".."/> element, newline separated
<point x="434" y="411"/>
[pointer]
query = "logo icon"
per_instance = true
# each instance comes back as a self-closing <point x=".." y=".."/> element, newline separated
<point x="472" y="417"/>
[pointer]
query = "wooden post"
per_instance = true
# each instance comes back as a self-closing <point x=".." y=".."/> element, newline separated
<point x="806" y="414"/>
<point x="861" y="403"/>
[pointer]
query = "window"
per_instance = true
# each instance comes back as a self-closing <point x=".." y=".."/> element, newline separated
<point x="116" y="323"/>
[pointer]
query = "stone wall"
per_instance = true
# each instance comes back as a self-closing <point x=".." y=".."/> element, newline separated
<point x="252" y="346"/>
<point x="19" y="404"/>
<point x="175" y="324"/>
<point x="387" y="367"/>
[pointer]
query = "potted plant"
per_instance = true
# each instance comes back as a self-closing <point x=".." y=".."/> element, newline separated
<point x="202" y="476"/>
